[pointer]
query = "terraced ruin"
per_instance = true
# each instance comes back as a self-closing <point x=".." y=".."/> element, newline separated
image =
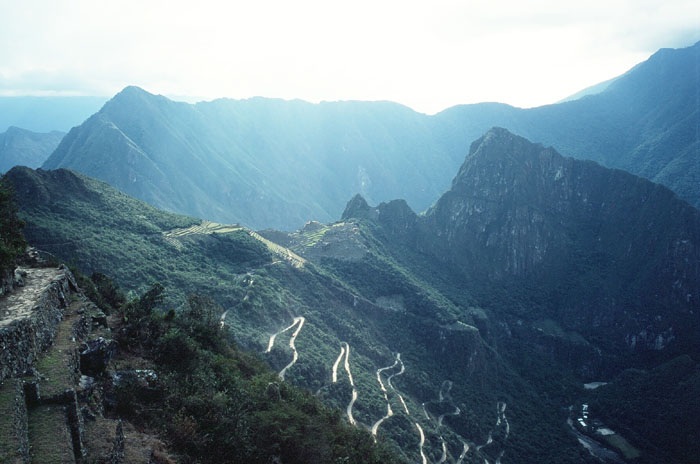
<point x="174" y="237"/>
<point x="45" y="326"/>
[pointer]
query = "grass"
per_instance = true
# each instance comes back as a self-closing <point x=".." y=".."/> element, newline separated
<point x="280" y="251"/>
<point x="49" y="436"/>
<point x="8" y="440"/>
<point x="312" y="238"/>
<point x="57" y="365"/>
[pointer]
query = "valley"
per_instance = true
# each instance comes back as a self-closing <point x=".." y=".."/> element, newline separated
<point x="456" y="324"/>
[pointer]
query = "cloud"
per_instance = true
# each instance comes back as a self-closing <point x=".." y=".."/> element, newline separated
<point x="428" y="55"/>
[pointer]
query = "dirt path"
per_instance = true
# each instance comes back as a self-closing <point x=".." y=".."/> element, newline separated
<point x="271" y="343"/>
<point x="222" y="320"/>
<point x="389" y="412"/>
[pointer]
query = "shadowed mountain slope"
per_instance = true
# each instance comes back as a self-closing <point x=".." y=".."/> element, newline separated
<point x="19" y="147"/>
<point x="607" y="254"/>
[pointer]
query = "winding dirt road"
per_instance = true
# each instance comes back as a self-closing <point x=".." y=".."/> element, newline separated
<point x="292" y="339"/>
<point x="222" y="321"/>
<point x="388" y="380"/>
<point x="271" y="343"/>
<point x="465" y="450"/>
<point x="421" y="443"/>
<point x="389" y="412"/>
<point x="345" y="351"/>
<point x="334" y="371"/>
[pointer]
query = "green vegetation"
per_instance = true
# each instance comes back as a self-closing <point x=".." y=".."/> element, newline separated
<point x="12" y="243"/>
<point x="215" y="403"/>
<point x="659" y="406"/>
<point x="9" y="442"/>
<point x="100" y="230"/>
<point x="49" y="435"/>
<point x="395" y="296"/>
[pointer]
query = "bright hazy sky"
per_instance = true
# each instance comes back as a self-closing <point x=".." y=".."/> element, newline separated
<point x="428" y="55"/>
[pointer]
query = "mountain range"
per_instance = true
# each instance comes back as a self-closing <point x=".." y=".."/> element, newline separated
<point x="19" y="147"/>
<point x="531" y="275"/>
<point x="47" y="113"/>
<point x="271" y="163"/>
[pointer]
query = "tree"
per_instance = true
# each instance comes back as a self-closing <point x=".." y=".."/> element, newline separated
<point x="12" y="243"/>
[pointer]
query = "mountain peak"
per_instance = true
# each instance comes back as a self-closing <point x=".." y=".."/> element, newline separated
<point x="499" y="138"/>
<point x="501" y="153"/>
<point x="357" y="207"/>
<point x="129" y="96"/>
<point x="132" y="90"/>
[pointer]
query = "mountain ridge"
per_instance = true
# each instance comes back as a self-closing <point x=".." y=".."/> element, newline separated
<point x="23" y="147"/>
<point x="271" y="163"/>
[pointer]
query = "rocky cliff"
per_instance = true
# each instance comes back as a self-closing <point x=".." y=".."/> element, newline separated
<point x="610" y="255"/>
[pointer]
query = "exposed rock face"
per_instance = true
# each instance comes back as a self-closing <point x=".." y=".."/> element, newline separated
<point x="516" y="207"/>
<point x="614" y="256"/>
<point x="96" y="354"/>
<point x="29" y="316"/>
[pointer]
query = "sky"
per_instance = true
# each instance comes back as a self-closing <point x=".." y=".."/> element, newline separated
<point x="428" y="55"/>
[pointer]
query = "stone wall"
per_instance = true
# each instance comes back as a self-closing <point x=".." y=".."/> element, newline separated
<point x="24" y="338"/>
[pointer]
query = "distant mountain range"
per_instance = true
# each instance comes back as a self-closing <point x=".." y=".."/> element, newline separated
<point x="274" y="163"/>
<point x="20" y="147"/>
<point x="46" y="114"/>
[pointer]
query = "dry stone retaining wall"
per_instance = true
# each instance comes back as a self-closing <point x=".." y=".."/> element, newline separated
<point x="28" y="322"/>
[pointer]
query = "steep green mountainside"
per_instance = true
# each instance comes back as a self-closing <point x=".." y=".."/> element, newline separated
<point x="46" y="114"/>
<point x="369" y="336"/>
<point x="19" y="147"/>
<point x="270" y="163"/>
